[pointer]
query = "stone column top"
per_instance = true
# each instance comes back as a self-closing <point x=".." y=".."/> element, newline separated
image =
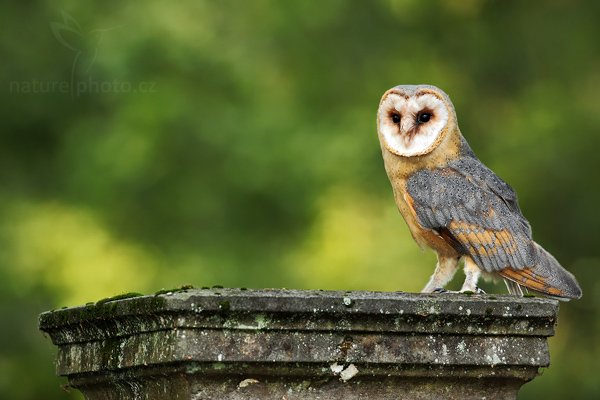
<point x="275" y="343"/>
<point x="283" y="309"/>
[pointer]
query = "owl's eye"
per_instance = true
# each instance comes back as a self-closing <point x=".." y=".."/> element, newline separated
<point x="423" y="117"/>
<point x="396" y="118"/>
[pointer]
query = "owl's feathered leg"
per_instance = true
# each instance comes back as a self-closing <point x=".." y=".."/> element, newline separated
<point x="472" y="274"/>
<point x="444" y="271"/>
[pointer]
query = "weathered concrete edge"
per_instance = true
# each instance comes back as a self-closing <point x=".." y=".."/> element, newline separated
<point x="285" y="300"/>
<point x="309" y="310"/>
<point x="286" y="348"/>
<point x="313" y="371"/>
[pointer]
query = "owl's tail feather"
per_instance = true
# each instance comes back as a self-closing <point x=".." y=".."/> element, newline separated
<point x="548" y="277"/>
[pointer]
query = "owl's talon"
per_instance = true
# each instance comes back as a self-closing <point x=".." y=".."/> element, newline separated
<point x="477" y="290"/>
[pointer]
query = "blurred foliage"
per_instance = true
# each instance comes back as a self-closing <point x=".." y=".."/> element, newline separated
<point x="157" y="144"/>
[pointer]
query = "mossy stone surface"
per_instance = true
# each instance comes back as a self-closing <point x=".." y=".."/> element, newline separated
<point x="303" y="344"/>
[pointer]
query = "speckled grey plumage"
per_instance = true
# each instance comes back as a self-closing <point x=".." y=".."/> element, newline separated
<point x="465" y="191"/>
<point x="555" y="275"/>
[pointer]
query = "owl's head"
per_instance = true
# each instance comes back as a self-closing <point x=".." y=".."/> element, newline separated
<point x="412" y="120"/>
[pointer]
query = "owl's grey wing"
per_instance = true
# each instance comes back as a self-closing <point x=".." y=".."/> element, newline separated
<point x="476" y="212"/>
<point x="473" y="169"/>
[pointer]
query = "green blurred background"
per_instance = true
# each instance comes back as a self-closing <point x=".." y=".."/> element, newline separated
<point x="149" y="145"/>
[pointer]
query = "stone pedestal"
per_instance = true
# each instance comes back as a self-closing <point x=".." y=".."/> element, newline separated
<point x="288" y="344"/>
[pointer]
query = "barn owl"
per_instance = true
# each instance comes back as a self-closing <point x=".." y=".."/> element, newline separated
<point x="454" y="204"/>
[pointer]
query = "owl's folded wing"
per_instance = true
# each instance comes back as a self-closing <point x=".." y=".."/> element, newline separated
<point x="477" y="213"/>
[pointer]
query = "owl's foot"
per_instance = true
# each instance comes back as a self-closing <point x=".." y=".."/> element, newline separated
<point x="477" y="290"/>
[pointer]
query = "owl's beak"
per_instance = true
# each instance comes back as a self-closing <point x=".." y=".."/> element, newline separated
<point x="407" y="127"/>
